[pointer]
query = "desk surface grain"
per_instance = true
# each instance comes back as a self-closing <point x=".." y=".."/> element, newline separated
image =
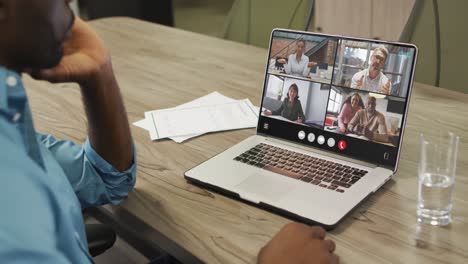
<point x="159" y="67"/>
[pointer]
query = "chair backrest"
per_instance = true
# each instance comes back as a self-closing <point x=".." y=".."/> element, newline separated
<point x="251" y="21"/>
<point x="158" y="11"/>
<point x="442" y="57"/>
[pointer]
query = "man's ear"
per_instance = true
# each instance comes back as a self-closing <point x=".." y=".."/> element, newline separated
<point x="2" y="10"/>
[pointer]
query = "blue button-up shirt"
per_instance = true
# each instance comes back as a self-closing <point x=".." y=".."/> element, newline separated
<point x="45" y="183"/>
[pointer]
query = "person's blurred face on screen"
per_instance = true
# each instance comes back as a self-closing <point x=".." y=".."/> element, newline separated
<point x="378" y="59"/>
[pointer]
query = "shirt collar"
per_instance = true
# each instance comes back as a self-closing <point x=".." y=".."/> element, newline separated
<point x="376" y="77"/>
<point x="10" y="81"/>
<point x="300" y="60"/>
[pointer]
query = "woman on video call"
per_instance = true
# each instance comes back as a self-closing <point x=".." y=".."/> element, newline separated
<point x="291" y="107"/>
<point x="349" y="108"/>
<point x="298" y="64"/>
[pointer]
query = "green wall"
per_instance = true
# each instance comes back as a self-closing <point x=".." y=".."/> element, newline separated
<point x="453" y="18"/>
<point x="251" y="21"/>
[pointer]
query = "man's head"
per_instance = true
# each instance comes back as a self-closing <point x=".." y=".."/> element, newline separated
<point x="378" y="58"/>
<point x="371" y="103"/>
<point x="33" y="32"/>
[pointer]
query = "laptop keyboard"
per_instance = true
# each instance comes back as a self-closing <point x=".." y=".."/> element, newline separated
<point x="326" y="174"/>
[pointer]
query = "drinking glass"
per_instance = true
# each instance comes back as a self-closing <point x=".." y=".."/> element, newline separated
<point x="436" y="174"/>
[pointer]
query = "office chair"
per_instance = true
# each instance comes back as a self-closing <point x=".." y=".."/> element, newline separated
<point x="100" y="238"/>
<point x="438" y="29"/>
<point x="160" y="11"/>
<point x="251" y="21"/>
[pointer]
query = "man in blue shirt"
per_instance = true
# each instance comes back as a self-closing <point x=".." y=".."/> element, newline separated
<point x="45" y="182"/>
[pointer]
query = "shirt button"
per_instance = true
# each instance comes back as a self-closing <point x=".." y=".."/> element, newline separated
<point x="11" y="81"/>
<point x="16" y="117"/>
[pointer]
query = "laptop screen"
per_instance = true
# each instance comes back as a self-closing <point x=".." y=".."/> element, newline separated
<point x="339" y="94"/>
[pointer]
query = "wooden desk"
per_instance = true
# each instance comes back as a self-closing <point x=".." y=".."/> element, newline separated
<point x="160" y="67"/>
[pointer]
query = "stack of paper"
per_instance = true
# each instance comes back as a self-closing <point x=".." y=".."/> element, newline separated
<point x="210" y="113"/>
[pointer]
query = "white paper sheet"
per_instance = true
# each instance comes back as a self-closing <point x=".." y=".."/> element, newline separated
<point x="145" y="124"/>
<point x="210" y="99"/>
<point x="202" y="119"/>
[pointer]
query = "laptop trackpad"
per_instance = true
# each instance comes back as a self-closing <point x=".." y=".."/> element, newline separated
<point x="259" y="187"/>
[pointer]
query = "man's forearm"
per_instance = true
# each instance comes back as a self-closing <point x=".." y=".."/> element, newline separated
<point x="352" y="125"/>
<point x="108" y="128"/>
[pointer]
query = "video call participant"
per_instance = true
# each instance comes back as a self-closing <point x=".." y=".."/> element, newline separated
<point x="373" y="79"/>
<point x="291" y="107"/>
<point x="369" y="122"/>
<point x="298" y="64"/>
<point x="349" y="108"/>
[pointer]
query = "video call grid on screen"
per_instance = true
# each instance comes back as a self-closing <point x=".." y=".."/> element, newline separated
<point x="352" y="88"/>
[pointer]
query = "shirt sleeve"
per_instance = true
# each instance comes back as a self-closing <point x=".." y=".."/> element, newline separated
<point x="300" y="112"/>
<point x="355" y="121"/>
<point x="382" y="125"/>
<point x="344" y="112"/>
<point x="287" y="66"/>
<point x="306" y="71"/>
<point x="94" y="180"/>
<point x="355" y="78"/>
<point x="279" y="110"/>
<point x="385" y="79"/>
<point x="382" y="135"/>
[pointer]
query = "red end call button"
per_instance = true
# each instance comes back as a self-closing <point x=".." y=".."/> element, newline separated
<point x="342" y="145"/>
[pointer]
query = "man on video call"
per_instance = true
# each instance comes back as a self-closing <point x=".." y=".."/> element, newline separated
<point x="369" y="122"/>
<point x="46" y="182"/>
<point x="373" y="79"/>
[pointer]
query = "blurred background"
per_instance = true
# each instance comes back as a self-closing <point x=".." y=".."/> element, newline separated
<point x="437" y="27"/>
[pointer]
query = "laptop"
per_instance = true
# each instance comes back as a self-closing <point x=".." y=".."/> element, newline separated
<point x="326" y="140"/>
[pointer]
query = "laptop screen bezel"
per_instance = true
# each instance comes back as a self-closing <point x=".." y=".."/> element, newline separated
<point x="393" y="164"/>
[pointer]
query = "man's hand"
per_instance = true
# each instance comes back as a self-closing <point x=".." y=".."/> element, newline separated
<point x="267" y="112"/>
<point x="87" y="62"/>
<point x="282" y="61"/>
<point x="84" y="60"/>
<point x="386" y="87"/>
<point x="297" y="244"/>
<point x="357" y="129"/>
<point x="360" y="82"/>
<point x="368" y="134"/>
<point x="311" y="64"/>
